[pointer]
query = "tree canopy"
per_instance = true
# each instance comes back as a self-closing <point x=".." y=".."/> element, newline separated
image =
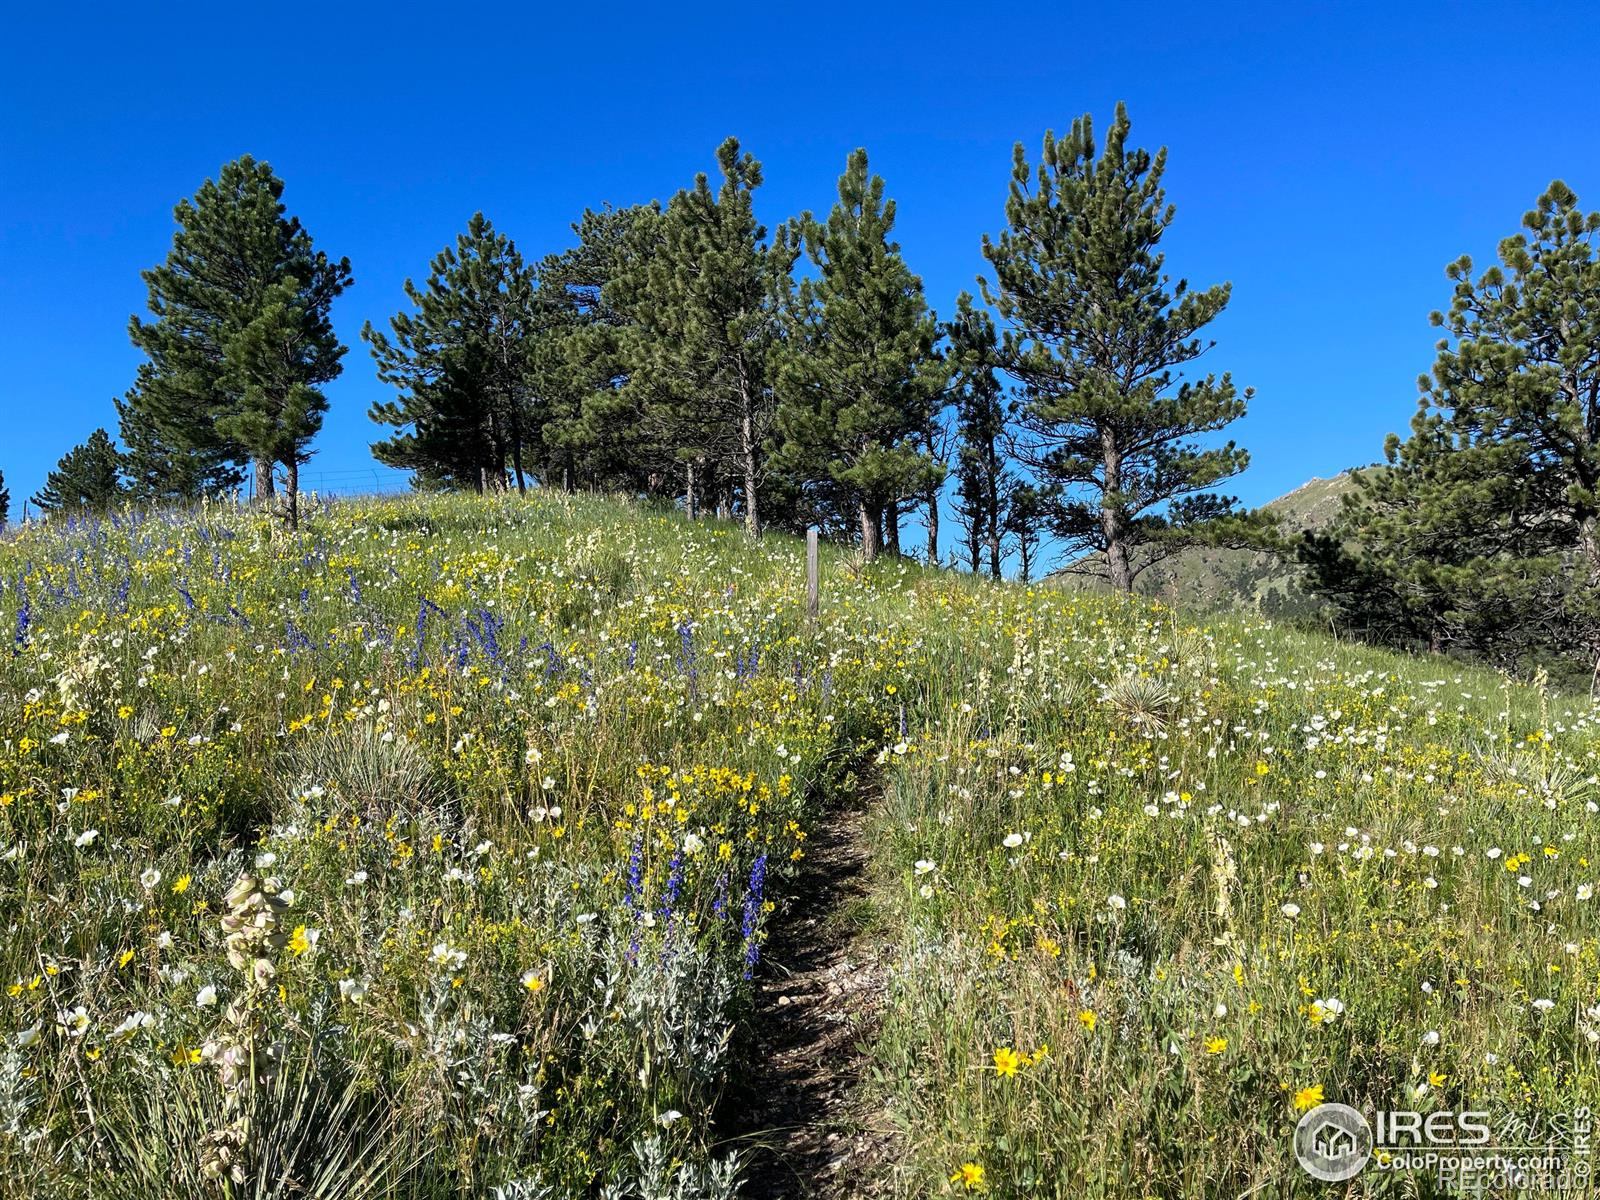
<point x="239" y="345"/>
<point x="1478" y="533"/>
<point x="677" y="350"/>
<point x="862" y="380"/>
<point x="461" y="362"/>
<point x="88" y="479"/>
<point x="1097" y="335"/>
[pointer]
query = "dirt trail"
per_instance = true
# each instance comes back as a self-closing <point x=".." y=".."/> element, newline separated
<point x="796" y="1110"/>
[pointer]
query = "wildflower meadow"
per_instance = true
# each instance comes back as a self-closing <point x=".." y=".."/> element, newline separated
<point x="436" y="849"/>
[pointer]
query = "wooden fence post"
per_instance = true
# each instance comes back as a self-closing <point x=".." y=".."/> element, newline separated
<point x="813" y="581"/>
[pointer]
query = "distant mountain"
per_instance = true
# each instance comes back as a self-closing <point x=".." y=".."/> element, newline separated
<point x="1201" y="579"/>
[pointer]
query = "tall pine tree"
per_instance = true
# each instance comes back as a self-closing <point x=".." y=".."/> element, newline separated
<point x="240" y="344"/>
<point x="863" y="383"/>
<point x="275" y="364"/>
<point x="596" y="431"/>
<point x="87" y="479"/>
<point x="1097" y="336"/>
<point x="982" y="480"/>
<point x="1480" y="534"/>
<point x="704" y="308"/>
<point x="461" y="362"/>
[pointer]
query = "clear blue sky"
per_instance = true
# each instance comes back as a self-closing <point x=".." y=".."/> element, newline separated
<point x="1328" y="159"/>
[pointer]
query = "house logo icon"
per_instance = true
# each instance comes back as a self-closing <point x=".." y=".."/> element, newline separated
<point x="1332" y="1142"/>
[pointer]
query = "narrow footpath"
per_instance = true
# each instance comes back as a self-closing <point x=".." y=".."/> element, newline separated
<point x="796" y="1111"/>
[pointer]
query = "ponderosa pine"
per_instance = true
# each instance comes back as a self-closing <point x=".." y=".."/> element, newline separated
<point x="1480" y="531"/>
<point x="240" y="343"/>
<point x="460" y="362"/>
<point x="704" y="309"/>
<point x="1097" y="335"/>
<point x="982" y="480"/>
<point x="87" y="479"/>
<point x="862" y="381"/>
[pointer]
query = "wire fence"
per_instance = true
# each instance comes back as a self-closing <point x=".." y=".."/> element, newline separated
<point x="354" y="481"/>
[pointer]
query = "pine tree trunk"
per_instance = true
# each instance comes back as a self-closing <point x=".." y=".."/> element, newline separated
<point x="516" y="456"/>
<point x="869" y="530"/>
<point x="992" y="513"/>
<point x="933" y="527"/>
<point x="497" y="452"/>
<point x="1111" y="524"/>
<point x="292" y="487"/>
<point x="747" y="435"/>
<point x="691" y="503"/>
<point x="891" y="528"/>
<point x="265" y="487"/>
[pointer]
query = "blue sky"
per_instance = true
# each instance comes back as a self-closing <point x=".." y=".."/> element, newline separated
<point x="1328" y="160"/>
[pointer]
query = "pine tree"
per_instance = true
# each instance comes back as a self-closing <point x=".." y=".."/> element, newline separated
<point x="240" y="343"/>
<point x="274" y="364"/>
<point x="157" y="467"/>
<point x="982" y="480"/>
<point x="1480" y="534"/>
<point x="863" y="384"/>
<point x="1026" y="508"/>
<point x="1097" y="336"/>
<point x="597" y="431"/>
<point x="460" y="362"/>
<point x="936" y="440"/>
<point x="705" y="313"/>
<point x="87" y="479"/>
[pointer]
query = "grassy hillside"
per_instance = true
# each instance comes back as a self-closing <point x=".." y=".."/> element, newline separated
<point x="1201" y="580"/>
<point x="434" y="852"/>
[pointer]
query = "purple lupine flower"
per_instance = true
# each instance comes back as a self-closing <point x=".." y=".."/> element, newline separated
<point x="674" y="885"/>
<point x="24" y="617"/>
<point x="486" y="630"/>
<point x="294" y="640"/>
<point x="751" y="924"/>
<point x="553" y="663"/>
<point x="635" y="895"/>
<point x="636" y="875"/>
<point x="424" y="607"/>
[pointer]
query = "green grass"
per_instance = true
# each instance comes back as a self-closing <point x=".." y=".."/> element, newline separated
<point x="536" y="772"/>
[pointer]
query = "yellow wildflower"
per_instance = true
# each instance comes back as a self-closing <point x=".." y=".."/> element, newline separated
<point x="1006" y="1061"/>
<point x="970" y="1176"/>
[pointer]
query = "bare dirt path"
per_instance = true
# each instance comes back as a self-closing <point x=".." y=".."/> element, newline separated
<point x="797" y="1110"/>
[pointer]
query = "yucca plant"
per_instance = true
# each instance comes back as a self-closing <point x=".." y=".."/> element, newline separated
<point x="1142" y="700"/>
